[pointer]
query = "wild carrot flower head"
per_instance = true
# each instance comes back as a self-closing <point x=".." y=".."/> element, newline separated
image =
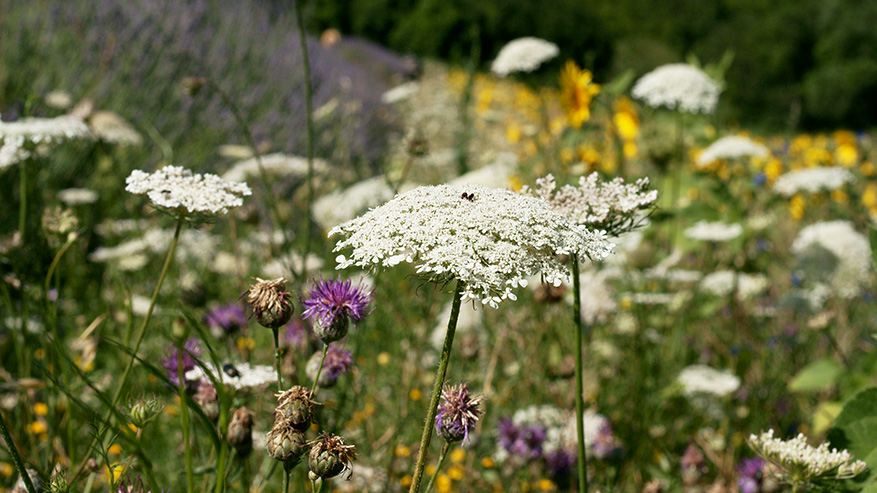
<point x="577" y="92"/>
<point x="523" y="55"/>
<point x="332" y="304"/>
<point x="490" y="239"/>
<point x="44" y="130"/>
<point x="177" y="188"/>
<point x="678" y="86"/>
<point x="458" y="413"/>
<point x="802" y="463"/>
<point x="730" y="147"/>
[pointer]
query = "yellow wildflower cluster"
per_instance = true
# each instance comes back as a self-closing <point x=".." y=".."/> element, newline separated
<point x="577" y="91"/>
<point x="625" y="124"/>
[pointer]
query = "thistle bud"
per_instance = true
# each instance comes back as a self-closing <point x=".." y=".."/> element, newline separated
<point x="240" y="431"/>
<point x="330" y="456"/>
<point x="458" y="413"/>
<point x="206" y="398"/>
<point x="295" y="407"/>
<point x="144" y="410"/>
<point x="334" y="330"/>
<point x="59" y="483"/>
<point x="271" y="302"/>
<point x="285" y="443"/>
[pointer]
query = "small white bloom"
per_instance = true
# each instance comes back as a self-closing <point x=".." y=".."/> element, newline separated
<point x="174" y="187"/>
<point x="812" y="180"/>
<point x="731" y="147"/>
<point x="344" y="205"/>
<point x="678" y="86"/>
<point x="277" y="163"/>
<point x="702" y="379"/>
<point x="58" y="99"/>
<point x="851" y="248"/>
<point x="723" y="282"/>
<point x="12" y="151"/>
<point x="800" y="462"/>
<point x="523" y="55"/>
<point x="77" y="196"/>
<point x="45" y="130"/>
<point x="244" y="376"/>
<point x="400" y="92"/>
<point x="717" y="231"/>
<point x="112" y="128"/>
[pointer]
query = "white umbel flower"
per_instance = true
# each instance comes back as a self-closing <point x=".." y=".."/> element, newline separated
<point x="240" y="376"/>
<point x="12" y="150"/>
<point x="702" y="379"/>
<point x="812" y="180"/>
<point x="175" y="187"/>
<point x="802" y="463"/>
<point x="723" y="283"/>
<point x="717" y="231"/>
<point x="731" y="147"/>
<point x="45" y="130"/>
<point x="851" y="248"/>
<point x="77" y="196"/>
<point x="490" y="239"/>
<point x="523" y="55"/>
<point x="113" y="129"/>
<point x="678" y="86"/>
<point x="276" y="163"/>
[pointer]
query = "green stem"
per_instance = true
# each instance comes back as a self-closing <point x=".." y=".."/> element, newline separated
<point x="184" y="418"/>
<point x="319" y="370"/>
<point x="445" y="448"/>
<point x="222" y="460"/>
<point x="309" y="114"/>
<point x="16" y="458"/>
<point x="124" y="380"/>
<point x="22" y="205"/>
<point x="318" y="485"/>
<point x="677" y="179"/>
<point x="429" y="425"/>
<point x="278" y="355"/>
<point x="580" y="404"/>
<point x="70" y="239"/>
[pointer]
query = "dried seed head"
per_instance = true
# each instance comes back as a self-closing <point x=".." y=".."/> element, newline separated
<point x="330" y="456"/>
<point x="285" y="443"/>
<point x="271" y="302"/>
<point x="295" y="407"/>
<point x="240" y="431"/>
<point x="208" y="400"/>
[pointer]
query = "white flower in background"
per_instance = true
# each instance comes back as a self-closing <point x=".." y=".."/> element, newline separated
<point x="489" y="239"/>
<point x="678" y="86"/>
<point x="495" y="175"/>
<point x="363" y="479"/>
<point x="723" y="282"/>
<point x="140" y="305"/>
<point x="276" y="163"/>
<point x="731" y="147"/>
<point x="45" y="130"/>
<point x="682" y="276"/>
<point x="716" y="231"/>
<point x="12" y="151"/>
<point x="597" y="296"/>
<point x="279" y="267"/>
<point x="851" y="248"/>
<point x="610" y="205"/>
<point x="812" y="180"/>
<point x="175" y="187"/>
<point x="58" y="99"/>
<point x="112" y="128"/>
<point x="338" y="207"/>
<point x="655" y="298"/>
<point x="77" y="196"/>
<point x="523" y="55"/>
<point x="559" y="426"/>
<point x="802" y="463"/>
<point x="195" y="247"/>
<point x="240" y="376"/>
<point x="400" y="93"/>
<point x="702" y="379"/>
<point x="469" y="321"/>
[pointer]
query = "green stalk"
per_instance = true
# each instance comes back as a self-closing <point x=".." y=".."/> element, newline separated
<point x="580" y="404"/>
<point x="124" y="380"/>
<point x="16" y="458"/>
<point x="22" y="205"/>
<point x="429" y="425"/>
<point x="184" y="418"/>
<point x="445" y="448"/>
<point x="677" y="179"/>
<point x="222" y="459"/>
<point x="309" y="114"/>
<point x="278" y="354"/>
<point x="319" y="370"/>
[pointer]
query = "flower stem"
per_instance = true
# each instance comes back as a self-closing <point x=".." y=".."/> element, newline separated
<point x="580" y="405"/>
<point x="16" y="458"/>
<point x="22" y="204"/>
<point x="184" y="418"/>
<point x="429" y="425"/>
<point x="445" y="448"/>
<point x="319" y="370"/>
<point x="278" y="354"/>
<point x="309" y="115"/>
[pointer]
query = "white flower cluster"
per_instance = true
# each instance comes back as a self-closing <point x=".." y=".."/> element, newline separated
<point x="602" y="205"/>
<point x="12" y="151"/>
<point x="77" y="196"/>
<point x="344" y="205"/>
<point x="723" y="282"/>
<point x="717" y="231"/>
<point x="490" y="239"/>
<point x="276" y="163"/>
<point x="852" y="249"/>
<point x="363" y="479"/>
<point x="801" y="462"/>
<point x="113" y="129"/>
<point x="45" y="130"/>
<point x="701" y="379"/>
<point x="400" y="93"/>
<point x="175" y="187"/>
<point x="678" y="86"/>
<point x="523" y="55"/>
<point x="243" y="378"/>
<point x="812" y="180"/>
<point x="731" y="147"/>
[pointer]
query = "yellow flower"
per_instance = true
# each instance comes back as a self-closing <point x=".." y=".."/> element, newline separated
<point x="869" y="198"/>
<point x="630" y="150"/>
<point x="115" y="449"/>
<point x="846" y="155"/>
<point x="796" y="206"/>
<point x="488" y="463"/>
<point x="625" y="120"/>
<point x="456" y="473"/>
<point x="402" y="451"/>
<point x="384" y="359"/>
<point x="458" y="455"/>
<point x="546" y="485"/>
<point x="867" y="168"/>
<point x="840" y="197"/>
<point x="577" y="92"/>
<point x="245" y="343"/>
<point x="40" y="409"/>
<point x="415" y="394"/>
<point x="773" y="169"/>
<point x="429" y="470"/>
<point x="567" y="154"/>
<point x="406" y="481"/>
<point x="38" y="427"/>
<point x="39" y="353"/>
<point x="513" y="133"/>
<point x="6" y="469"/>
<point x="443" y="483"/>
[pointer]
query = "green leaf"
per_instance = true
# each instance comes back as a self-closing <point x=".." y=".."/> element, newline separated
<point x="818" y="375"/>
<point x="855" y="428"/>
<point x="824" y="416"/>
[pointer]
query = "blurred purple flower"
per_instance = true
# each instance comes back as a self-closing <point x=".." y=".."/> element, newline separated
<point x="170" y="362"/>
<point x="525" y="442"/>
<point x="750" y="475"/>
<point x="226" y="319"/>
<point x="605" y="444"/>
<point x="560" y="463"/>
<point x="297" y="333"/>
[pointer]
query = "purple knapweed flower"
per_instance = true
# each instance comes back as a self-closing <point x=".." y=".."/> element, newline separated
<point x="750" y="475"/>
<point x="524" y="442"/>
<point x="226" y="319"/>
<point x="332" y="304"/>
<point x="296" y="333"/>
<point x="605" y="445"/>
<point x="338" y="362"/>
<point x="458" y="413"/>
<point x="171" y="361"/>
<point x="560" y="462"/>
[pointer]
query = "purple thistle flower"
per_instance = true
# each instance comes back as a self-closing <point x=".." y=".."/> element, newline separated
<point x="296" y="333"/>
<point x="227" y="318"/>
<point x="170" y="362"/>
<point x="560" y="463"/>
<point x="605" y="444"/>
<point x="524" y="442"/>
<point x="338" y="362"/>
<point x="750" y="475"/>
<point x="332" y="304"/>
<point x="457" y="413"/>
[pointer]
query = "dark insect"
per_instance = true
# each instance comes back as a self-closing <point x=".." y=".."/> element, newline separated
<point x="468" y="196"/>
<point x="230" y="370"/>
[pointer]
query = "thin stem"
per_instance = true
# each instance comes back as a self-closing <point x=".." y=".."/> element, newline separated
<point x="319" y="370"/>
<point x="429" y="425"/>
<point x="309" y="114"/>
<point x="445" y="448"/>
<point x="22" y="204"/>
<point x="70" y="239"/>
<point x="184" y="418"/>
<point x="580" y="404"/>
<point x="318" y="485"/>
<point x="16" y="458"/>
<point x="278" y="355"/>
<point x="124" y="380"/>
<point x="677" y="179"/>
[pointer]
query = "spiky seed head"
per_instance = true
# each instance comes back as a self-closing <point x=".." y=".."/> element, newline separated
<point x="458" y="413"/>
<point x="330" y="456"/>
<point x="295" y="407"/>
<point x="285" y="443"/>
<point x="271" y="302"/>
<point x="240" y="431"/>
